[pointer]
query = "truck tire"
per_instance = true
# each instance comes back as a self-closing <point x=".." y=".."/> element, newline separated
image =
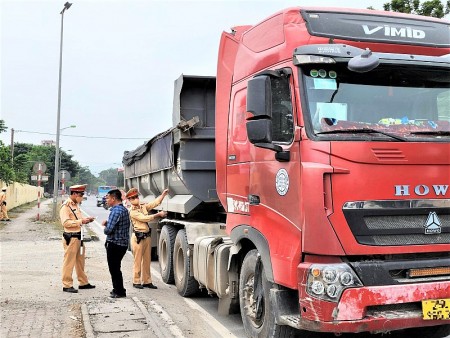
<point x="440" y="331"/>
<point x="265" y="326"/>
<point x="165" y="252"/>
<point x="186" y="284"/>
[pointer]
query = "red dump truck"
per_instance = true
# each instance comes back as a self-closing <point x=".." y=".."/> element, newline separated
<point x="309" y="180"/>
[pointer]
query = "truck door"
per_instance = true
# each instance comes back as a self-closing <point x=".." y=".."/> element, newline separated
<point x="274" y="185"/>
<point x="238" y="155"/>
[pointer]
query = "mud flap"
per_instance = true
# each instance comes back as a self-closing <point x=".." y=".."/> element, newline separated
<point x="258" y="289"/>
<point x="285" y="306"/>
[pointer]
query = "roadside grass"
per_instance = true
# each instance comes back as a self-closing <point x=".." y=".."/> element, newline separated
<point x="45" y="216"/>
<point x="15" y="212"/>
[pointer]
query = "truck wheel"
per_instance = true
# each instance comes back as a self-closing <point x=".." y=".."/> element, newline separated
<point x="440" y="331"/>
<point x="186" y="284"/>
<point x="258" y="323"/>
<point x="165" y="252"/>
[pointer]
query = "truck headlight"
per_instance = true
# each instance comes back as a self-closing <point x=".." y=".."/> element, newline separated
<point x="328" y="281"/>
<point x="317" y="288"/>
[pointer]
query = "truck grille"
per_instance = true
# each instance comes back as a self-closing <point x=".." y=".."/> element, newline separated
<point x="411" y="239"/>
<point x="396" y="223"/>
<point x="402" y="222"/>
<point x="406" y="223"/>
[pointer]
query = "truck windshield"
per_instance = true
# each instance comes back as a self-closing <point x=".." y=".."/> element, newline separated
<point x="392" y="102"/>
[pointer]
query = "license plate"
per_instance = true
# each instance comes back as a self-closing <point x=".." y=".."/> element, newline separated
<point x="436" y="309"/>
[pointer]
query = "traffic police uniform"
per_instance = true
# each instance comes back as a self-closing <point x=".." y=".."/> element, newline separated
<point x="71" y="219"/>
<point x="4" y="210"/>
<point x="141" y="251"/>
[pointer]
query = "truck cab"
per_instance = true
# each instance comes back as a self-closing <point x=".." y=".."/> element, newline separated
<point x="334" y="166"/>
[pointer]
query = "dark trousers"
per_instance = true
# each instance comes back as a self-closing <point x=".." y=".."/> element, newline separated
<point x="114" y="255"/>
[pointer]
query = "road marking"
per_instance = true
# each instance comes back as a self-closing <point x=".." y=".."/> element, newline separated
<point x="98" y="230"/>
<point x="173" y="328"/>
<point x="215" y="324"/>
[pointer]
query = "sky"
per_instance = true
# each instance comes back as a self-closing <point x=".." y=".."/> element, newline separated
<point x="120" y="61"/>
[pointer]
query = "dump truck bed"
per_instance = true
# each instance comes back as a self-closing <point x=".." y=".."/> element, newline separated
<point x="181" y="158"/>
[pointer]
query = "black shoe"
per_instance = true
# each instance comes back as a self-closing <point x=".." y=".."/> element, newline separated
<point x="87" y="286"/>
<point x="115" y="295"/>
<point x="8" y="220"/>
<point x="138" y="286"/>
<point x="71" y="290"/>
<point x="150" y="286"/>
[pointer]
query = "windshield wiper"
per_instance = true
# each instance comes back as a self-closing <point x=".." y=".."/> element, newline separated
<point x="365" y="131"/>
<point x="431" y="132"/>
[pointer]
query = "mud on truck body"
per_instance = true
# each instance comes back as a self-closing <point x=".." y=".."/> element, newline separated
<point x="309" y="181"/>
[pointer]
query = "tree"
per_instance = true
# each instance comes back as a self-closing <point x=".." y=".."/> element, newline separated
<point x="22" y="168"/>
<point x="25" y="155"/>
<point x="2" y="126"/>
<point x="6" y="169"/>
<point x="434" y="8"/>
<point x="109" y="176"/>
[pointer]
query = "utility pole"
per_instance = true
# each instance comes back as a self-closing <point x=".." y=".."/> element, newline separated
<point x="12" y="145"/>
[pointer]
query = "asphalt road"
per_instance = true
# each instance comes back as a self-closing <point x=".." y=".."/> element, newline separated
<point x="225" y="326"/>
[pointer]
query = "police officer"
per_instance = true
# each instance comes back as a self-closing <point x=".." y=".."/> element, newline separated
<point x="72" y="221"/>
<point x="140" y="239"/>
<point x="4" y="210"/>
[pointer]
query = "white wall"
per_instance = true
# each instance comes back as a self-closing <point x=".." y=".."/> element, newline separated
<point x="18" y="194"/>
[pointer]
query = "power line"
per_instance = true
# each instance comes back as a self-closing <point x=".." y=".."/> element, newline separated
<point x="84" y="136"/>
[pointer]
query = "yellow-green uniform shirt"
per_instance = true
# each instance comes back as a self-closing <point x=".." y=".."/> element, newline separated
<point x="68" y="219"/>
<point x="139" y="215"/>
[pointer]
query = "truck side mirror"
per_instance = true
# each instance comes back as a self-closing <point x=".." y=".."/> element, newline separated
<point x="259" y="131"/>
<point x="259" y="96"/>
<point x="259" y="127"/>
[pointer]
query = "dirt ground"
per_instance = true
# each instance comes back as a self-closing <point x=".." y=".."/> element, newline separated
<point x="31" y="299"/>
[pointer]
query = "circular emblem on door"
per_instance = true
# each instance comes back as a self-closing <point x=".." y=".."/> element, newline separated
<point x="282" y="182"/>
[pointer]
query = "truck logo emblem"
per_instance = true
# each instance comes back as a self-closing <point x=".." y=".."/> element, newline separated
<point x="404" y="32"/>
<point x="433" y="224"/>
<point x="421" y="190"/>
<point x="282" y="182"/>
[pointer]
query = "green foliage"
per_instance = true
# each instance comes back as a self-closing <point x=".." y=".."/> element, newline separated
<point x="110" y="176"/>
<point x="25" y="155"/>
<point x="120" y="179"/>
<point x="434" y="8"/>
<point x="2" y="126"/>
<point x="22" y="168"/>
<point x="85" y="176"/>
<point x="6" y="170"/>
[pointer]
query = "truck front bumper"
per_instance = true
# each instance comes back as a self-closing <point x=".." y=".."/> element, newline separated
<point x="374" y="308"/>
